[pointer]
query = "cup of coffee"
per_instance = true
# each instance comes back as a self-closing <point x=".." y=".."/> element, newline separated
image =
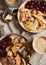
<point x="39" y="44"/>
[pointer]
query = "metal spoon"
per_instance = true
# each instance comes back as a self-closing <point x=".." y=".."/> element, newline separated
<point x="3" y="11"/>
<point x="7" y="22"/>
<point x="2" y="18"/>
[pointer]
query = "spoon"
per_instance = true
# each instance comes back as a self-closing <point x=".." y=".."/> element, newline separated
<point x="3" y="13"/>
<point x="7" y="21"/>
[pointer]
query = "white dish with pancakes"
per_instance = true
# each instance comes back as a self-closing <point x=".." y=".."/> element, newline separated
<point x="32" y="18"/>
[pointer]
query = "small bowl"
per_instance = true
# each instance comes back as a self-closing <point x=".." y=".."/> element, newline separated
<point x="15" y="5"/>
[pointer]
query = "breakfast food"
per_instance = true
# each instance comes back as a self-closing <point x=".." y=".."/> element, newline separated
<point x="14" y="50"/>
<point x="8" y="17"/>
<point x="40" y="44"/>
<point x="33" y="15"/>
<point x="12" y="1"/>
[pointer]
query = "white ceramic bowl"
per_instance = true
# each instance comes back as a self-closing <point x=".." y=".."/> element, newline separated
<point x="18" y="15"/>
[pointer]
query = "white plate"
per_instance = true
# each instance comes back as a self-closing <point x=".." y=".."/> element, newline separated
<point x="23" y="4"/>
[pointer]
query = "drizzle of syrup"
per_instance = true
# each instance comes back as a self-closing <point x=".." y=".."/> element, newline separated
<point x="4" y="43"/>
<point x="38" y="5"/>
